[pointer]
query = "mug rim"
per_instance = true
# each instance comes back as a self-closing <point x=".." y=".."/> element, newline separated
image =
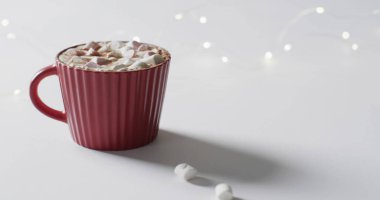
<point x="57" y="60"/>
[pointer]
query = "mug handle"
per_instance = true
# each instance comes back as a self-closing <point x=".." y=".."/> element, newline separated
<point x="36" y="100"/>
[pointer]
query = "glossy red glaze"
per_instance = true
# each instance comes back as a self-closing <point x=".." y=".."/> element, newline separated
<point x="107" y="110"/>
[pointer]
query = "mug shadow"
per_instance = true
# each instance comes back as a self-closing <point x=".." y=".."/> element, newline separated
<point x="171" y="148"/>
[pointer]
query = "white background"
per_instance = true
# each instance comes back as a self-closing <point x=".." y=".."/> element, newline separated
<point x="303" y="125"/>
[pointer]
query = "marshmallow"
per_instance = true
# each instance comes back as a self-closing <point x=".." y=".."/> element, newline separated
<point x="138" y="65"/>
<point x="114" y="54"/>
<point x="65" y="58"/>
<point x="74" y="52"/>
<point x="223" y="191"/>
<point x="153" y="59"/>
<point x="116" y="45"/>
<point x="92" y="52"/>
<point x="140" y="54"/>
<point x="149" y="53"/>
<point x="87" y="58"/>
<point x="77" y="60"/>
<point x="157" y="51"/>
<point x="113" y="59"/>
<point x="100" y="69"/>
<point x="120" y="67"/>
<point x="81" y="53"/>
<point x="125" y="61"/>
<point x="185" y="171"/>
<point x="104" y="48"/>
<point x="71" y="52"/>
<point x="143" y="47"/>
<point x="133" y="44"/>
<point x="128" y="53"/>
<point x="92" y="64"/>
<point x="100" y="60"/>
<point x="90" y="45"/>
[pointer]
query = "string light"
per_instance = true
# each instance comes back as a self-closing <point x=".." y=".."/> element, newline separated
<point x="136" y="38"/>
<point x="178" y="16"/>
<point x="203" y="20"/>
<point x="16" y="92"/>
<point x="287" y="47"/>
<point x="5" y="22"/>
<point x="320" y="10"/>
<point x="206" y="45"/>
<point x="225" y="59"/>
<point x="11" y="36"/>
<point x="345" y="35"/>
<point x="355" y="47"/>
<point x="268" y="55"/>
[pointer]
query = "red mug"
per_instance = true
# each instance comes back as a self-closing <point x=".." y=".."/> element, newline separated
<point x="107" y="110"/>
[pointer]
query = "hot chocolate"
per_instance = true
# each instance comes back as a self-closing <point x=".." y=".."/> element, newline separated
<point x="114" y="56"/>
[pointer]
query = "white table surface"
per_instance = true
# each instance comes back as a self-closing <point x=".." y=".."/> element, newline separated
<point x="304" y="125"/>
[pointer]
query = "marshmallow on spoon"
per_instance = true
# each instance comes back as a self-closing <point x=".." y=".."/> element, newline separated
<point x="223" y="191"/>
<point x="185" y="171"/>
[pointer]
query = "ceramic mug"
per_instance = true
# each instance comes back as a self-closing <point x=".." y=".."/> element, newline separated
<point x="107" y="110"/>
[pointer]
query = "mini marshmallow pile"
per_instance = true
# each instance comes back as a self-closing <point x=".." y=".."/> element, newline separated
<point x="186" y="172"/>
<point x="114" y="56"/>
